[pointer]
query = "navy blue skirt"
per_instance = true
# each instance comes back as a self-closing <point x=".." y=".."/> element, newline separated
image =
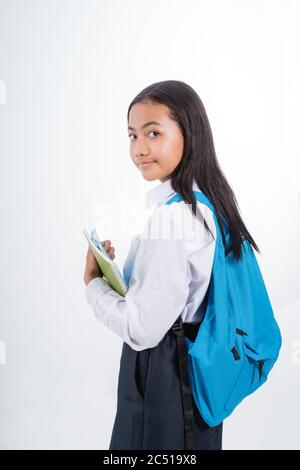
<point x="155" y="406"/>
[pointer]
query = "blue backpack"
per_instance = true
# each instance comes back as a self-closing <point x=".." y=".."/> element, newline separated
<point x="239" y="340"/>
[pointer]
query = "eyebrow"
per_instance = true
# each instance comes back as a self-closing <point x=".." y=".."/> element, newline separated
<point x="149" y="123"/>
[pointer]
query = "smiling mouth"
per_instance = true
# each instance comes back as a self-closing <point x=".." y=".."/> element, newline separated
<point x="145" y="165"/>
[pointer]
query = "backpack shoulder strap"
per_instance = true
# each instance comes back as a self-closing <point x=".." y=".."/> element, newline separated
<point x="201" y="197"/>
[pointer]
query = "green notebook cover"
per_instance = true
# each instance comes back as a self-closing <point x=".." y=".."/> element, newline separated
<point x="109" y="268"/>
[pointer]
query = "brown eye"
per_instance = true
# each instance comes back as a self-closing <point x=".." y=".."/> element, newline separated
<point x="155" y="132"/>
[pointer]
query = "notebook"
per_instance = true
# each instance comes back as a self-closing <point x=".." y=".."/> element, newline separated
<point x="109" y="268"/>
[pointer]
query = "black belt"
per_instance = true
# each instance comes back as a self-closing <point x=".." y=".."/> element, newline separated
<point x="179" y="331"/>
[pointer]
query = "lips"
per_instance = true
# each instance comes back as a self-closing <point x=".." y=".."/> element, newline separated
<point x="145" y="164"/>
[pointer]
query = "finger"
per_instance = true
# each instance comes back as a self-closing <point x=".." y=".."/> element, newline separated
<point x="106" y="244"/>
<point x="89" y="253"/>
<point x="90" y="256"/>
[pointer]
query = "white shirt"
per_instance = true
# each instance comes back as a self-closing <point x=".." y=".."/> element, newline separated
<point x="167" y="277"/>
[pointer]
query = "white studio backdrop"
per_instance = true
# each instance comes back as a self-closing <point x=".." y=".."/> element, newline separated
<point x="68" y="71"/>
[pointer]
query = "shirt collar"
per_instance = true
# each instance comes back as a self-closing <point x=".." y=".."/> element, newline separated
<point x="161" y="193"/>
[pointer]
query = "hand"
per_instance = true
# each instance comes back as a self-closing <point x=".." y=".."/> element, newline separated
<point x="110" y="249"/>
<point x="92" y="269"/>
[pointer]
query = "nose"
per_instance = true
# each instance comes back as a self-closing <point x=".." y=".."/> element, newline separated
<point x="140" y="149"/>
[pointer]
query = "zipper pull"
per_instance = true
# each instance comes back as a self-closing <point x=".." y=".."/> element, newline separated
<point x="260" y="367"/>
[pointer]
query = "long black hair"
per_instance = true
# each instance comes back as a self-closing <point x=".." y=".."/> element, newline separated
<point x="199" y="161"/>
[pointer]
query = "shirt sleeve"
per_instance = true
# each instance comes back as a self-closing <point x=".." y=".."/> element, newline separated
<point x="156" y="296"/>
<point x="158" y="288"/>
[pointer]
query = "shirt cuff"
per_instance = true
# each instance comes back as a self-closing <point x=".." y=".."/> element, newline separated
<point x="94" y="289"/>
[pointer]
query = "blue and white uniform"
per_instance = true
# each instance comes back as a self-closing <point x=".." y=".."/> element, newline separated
<point x="168" y="269"/>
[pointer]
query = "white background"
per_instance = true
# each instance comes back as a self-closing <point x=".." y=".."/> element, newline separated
<point x="68" y="71"/>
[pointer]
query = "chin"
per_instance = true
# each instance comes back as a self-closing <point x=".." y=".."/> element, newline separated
<point x="149" y="177"/>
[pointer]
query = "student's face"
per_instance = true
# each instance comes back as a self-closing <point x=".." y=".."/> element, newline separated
<point x="161" y="144"/>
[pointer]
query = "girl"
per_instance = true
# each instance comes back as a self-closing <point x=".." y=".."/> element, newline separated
<point x="168" y="277"/>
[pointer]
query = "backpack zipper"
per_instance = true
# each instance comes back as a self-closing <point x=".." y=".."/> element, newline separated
<point x="260" y="367"/>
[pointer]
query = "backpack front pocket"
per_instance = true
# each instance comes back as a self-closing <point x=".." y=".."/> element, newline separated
<point x="260" y="353"/>
<point x="252" y="375"/>
<point x="221" y="378"/>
